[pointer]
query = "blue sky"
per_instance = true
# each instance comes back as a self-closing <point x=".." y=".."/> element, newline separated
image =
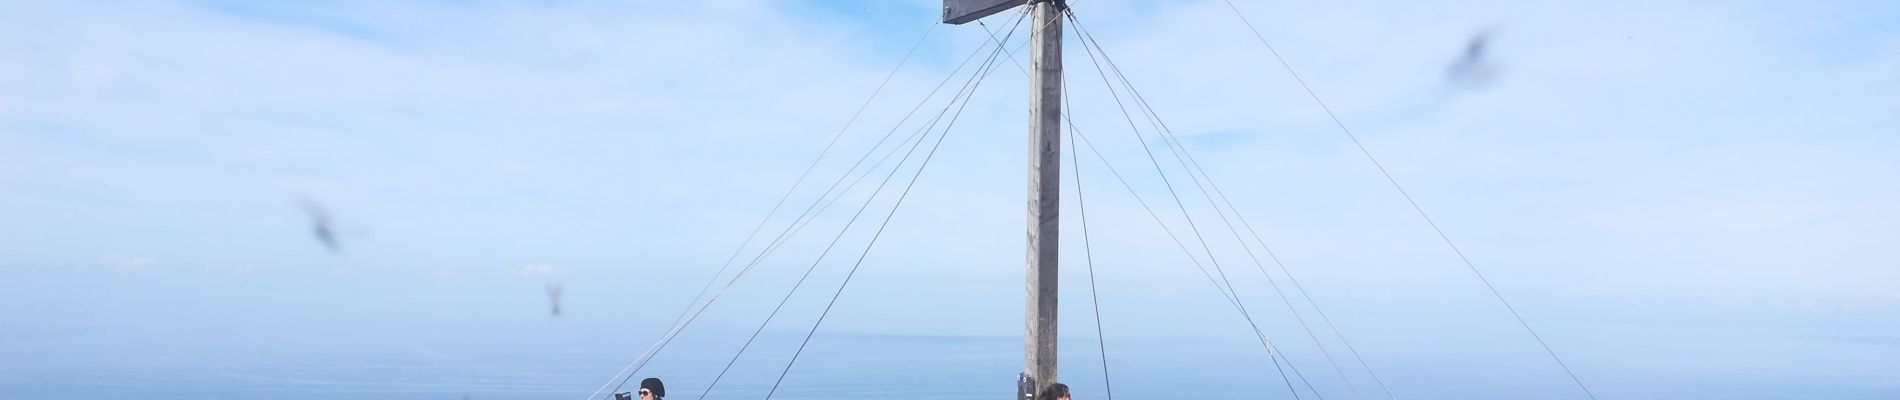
<point x="1676" y="180"/>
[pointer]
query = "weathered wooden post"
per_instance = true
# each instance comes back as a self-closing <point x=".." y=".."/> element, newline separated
<point x="1045" y="175"/>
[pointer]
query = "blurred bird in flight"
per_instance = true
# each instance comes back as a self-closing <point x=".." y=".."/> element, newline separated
<point x="320" y="225"/>
<point x="1474" y="65"/>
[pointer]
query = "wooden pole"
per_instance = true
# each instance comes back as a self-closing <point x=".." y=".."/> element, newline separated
<point x="1045" y="175"/>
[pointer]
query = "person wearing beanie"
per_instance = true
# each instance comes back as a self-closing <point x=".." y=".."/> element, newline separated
<point x="1055" y="392"/>
<point x="652" y="389"/>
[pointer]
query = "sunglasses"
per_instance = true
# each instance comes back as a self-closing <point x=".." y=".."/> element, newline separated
<point x="644" y="393"/>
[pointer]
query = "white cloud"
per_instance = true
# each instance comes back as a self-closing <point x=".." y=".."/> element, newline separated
<point x="1663" y="151"/>
<point x="510" y="118"/>
<point x="541" y="271"/>
<point x="1633" y="149"/>
<point x="129" y="263"/>
<point x="1636" y="159"/>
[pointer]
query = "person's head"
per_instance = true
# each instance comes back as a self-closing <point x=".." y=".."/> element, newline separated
<point x="651" y="389"/>
<point x="1055" y="392"/>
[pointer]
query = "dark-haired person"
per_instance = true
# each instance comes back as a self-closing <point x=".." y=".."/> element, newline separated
<point x="650" y="389"/>
<point x="1055" y="392"/>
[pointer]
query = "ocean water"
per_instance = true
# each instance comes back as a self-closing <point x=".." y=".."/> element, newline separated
<point x="834" y="366"/>
<point x="135" y="337"/>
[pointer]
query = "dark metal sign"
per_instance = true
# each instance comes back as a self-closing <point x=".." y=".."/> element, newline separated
<point x="958" y="12"/>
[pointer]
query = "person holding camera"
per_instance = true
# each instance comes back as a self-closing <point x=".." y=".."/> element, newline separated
<point x="650" y="389"/>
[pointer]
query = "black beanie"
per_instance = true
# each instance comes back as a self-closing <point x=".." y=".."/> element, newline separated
<point x="653" y="385"/>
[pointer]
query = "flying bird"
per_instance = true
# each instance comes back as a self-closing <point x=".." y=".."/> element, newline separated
<point x="320" y="225"/>
<point x="1474" y="65"/>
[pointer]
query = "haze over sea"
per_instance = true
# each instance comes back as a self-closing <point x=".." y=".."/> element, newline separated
<point x="261" y="337"/>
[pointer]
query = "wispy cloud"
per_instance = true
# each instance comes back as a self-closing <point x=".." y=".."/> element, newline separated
<point x="1706" y="161"/>
<point x="129" y="263"/>
<point x="541" y="271"/>
<point x="1634" y="150"/>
